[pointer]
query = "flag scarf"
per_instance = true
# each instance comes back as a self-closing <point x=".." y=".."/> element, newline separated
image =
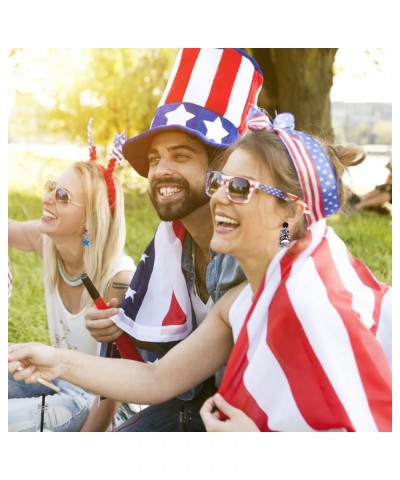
<point x="157" y="306"/>
<point x="306" y="357"/>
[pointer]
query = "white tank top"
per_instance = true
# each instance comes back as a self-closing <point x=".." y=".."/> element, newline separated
<point x="199" y="307"/>
<point x="68" y="330"/>
<point x="239" y="310"/>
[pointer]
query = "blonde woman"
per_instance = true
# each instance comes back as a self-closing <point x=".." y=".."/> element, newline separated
<point x="82" y="229"/>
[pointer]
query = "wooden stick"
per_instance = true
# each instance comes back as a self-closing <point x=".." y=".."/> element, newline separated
<point x="48" y="385"/>
<point x="45" y="383"/>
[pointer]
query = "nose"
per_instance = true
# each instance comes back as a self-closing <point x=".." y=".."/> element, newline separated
<point x="220" y="196"/>
<point x="162" y="168"/>
<point x="49" y="198"/>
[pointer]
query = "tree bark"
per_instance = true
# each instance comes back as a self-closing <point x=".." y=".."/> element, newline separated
<point x="298" y="80"/>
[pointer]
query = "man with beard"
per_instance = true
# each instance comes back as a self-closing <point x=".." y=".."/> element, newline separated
<point x="179" y="278"/>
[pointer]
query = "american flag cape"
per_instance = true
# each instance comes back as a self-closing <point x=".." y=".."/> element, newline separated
<point x="157" y="306"/>
<point x="306" y="356"/>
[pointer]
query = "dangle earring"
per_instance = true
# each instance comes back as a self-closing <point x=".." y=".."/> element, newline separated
<point x="284" y="238"/>
<point x="85" y="239"/>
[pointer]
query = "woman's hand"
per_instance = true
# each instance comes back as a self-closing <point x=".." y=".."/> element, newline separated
<point x="31" y="361"/>
<point x="237" y="420"/>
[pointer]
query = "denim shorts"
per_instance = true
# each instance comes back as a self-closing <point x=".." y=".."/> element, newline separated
<point x="65" y="411"/>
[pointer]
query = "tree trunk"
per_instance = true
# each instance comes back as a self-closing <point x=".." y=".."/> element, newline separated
<point x="298" y="80"/>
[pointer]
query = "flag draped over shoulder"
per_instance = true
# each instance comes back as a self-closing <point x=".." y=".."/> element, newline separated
<point x="306" y="355"/>
<point x="157" y="306"/>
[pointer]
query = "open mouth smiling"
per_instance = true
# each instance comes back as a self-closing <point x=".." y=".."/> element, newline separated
<point x="47" y="214"/>
<point x="168" y="191"/>
<point x="225" y="223"/>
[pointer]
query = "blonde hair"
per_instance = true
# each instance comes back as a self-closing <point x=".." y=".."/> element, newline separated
<point x="107" y="233"/>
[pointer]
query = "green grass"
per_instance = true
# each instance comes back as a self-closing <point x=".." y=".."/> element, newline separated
<point x="368" y="236"/>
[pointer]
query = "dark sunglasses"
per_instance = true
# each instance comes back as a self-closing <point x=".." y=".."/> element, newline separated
<point x="239" y="189"/>
<point x="62" y="195"/>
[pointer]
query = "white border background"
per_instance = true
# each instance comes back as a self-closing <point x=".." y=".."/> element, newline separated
<point x="207" y="23"/>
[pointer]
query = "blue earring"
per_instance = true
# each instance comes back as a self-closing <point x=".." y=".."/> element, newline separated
<point x="284" y="238"/>
<point x="85" y="240"/>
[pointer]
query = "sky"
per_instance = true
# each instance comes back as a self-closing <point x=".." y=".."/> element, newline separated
<point x="363" y="75"/>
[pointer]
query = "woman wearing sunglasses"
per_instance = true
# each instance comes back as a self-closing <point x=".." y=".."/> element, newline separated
<point x="300" y="339"/>
<point x="82" y="229"/>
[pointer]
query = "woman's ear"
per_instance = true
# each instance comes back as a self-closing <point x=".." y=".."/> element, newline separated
<point x="297" y="210"/>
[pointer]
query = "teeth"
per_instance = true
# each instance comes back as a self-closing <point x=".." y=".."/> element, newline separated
<point x="221" y="219"/>
<point x="48" y="214"/>
<point x="167" y="191"/>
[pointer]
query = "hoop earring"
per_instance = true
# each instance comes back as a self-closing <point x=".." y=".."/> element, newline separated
<point x="85" y="239"/>
<point x="285" y="238"/>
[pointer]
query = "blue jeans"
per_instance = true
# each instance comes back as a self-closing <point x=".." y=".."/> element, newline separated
<point x="175" y="415"/>
<point x="65" y="411"/>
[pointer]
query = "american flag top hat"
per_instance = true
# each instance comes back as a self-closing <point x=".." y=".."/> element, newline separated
<point x="208" y="95"/>
<point x="314" y="168"/>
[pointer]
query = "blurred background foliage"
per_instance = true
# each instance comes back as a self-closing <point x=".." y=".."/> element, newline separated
<point x="55" y="91"/>
<point x="118" y="87"/>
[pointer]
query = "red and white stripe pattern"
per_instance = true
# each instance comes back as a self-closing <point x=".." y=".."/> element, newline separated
<point x="224" y="81"/>
<point x="306" y="357"/>
<point x="157" y="306"/>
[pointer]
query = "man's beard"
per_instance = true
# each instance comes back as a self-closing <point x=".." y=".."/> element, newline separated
<point x="192" y="198"/>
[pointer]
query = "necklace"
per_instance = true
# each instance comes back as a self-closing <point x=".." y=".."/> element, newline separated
<point x="70" y="280"/>
<point x="196" y="285"/>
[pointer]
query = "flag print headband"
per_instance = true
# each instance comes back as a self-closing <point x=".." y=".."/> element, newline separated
<point x="314" y="168"/>
<point x="116" y="157"/>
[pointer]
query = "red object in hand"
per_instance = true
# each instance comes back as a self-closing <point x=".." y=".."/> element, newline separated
<point x="124" y="343"/>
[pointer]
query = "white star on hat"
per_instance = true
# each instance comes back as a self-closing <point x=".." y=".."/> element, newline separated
<point x="179" y="116"/>
<point x="215" y="130"/>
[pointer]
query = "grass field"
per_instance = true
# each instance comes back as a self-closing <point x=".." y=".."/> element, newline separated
<point x="368" y="235"/>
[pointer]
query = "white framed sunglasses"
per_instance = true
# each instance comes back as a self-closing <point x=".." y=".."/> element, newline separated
<point x="240" y="189"/>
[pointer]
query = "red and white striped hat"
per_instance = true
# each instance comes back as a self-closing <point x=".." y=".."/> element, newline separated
<point x="209" y="93"/>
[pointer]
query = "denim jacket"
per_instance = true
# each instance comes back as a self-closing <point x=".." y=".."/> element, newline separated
<point x="223" y="271"/>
